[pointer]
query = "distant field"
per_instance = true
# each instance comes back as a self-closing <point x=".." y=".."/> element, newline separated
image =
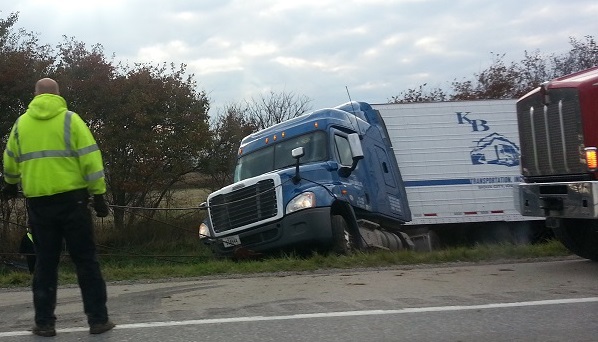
<point x="167" y="225"/>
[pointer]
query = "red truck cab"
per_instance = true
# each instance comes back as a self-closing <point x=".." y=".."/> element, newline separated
<point x="558" y="131"/>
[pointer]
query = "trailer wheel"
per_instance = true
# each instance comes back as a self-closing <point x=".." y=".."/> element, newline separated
<point x="579" y="236"/>
<point x="343" y="240"/>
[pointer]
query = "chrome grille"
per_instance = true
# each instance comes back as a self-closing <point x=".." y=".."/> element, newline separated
<point x="247" y="205"/>
<point x="551" y="136"/>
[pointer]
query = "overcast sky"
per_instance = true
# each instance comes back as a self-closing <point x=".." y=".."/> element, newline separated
<point x="240" y="49"/>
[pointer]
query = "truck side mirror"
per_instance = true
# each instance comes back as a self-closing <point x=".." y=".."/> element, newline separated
<point x="356" y="154"/>
<point x="297" y="153"/>
<point x="355" y="144"/>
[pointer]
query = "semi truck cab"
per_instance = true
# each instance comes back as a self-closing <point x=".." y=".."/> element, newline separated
<point x="558" y="129"/>
<point x="326" y="179"/>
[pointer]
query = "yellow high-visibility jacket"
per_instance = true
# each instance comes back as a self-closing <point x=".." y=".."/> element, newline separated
<point x="51" y="150"/>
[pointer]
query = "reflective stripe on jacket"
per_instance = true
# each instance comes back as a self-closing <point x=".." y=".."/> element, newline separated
<point x="51" y="151"/>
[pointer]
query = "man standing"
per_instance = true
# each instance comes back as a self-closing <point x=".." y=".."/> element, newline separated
<point x="52" y="152"/>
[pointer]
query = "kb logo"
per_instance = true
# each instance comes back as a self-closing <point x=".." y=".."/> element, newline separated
<point x="476" y="125"/>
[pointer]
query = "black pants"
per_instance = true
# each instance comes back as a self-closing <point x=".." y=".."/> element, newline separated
<point x="26" y="248"/>
<point x="58" y="218"/>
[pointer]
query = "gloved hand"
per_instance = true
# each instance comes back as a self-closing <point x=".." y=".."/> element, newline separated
<point x="9" y="191"/>
<point x="100" y="206"/>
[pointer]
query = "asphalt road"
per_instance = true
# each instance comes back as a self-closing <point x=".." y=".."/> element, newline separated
<point x="533" y="301"/>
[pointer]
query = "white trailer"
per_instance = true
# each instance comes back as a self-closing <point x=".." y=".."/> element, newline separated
<point x="459" y="162"/>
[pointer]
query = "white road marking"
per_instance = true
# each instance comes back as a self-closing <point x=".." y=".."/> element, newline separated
<point x="324" y="315"/>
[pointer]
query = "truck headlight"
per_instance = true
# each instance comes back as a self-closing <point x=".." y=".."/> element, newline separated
<point x="204" y="231"/>
<point x="301" y="201"/>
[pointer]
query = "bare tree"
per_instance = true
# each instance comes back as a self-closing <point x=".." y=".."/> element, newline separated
<point x="498" y="81"/>
<point x="227" y="129"/>
<point x="419" y="95"/>
<point x="583" y="55"/>
<point x="277" y="107"/>
<point x="502" y="80"/>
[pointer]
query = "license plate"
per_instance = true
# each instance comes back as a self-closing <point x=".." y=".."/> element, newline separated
<point x="231" y="241"/>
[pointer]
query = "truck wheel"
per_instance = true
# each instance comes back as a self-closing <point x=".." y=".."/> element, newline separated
<point x="343" y="240"/>
<point x="579" y="236"/>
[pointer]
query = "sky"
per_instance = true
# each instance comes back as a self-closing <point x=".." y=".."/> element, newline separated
<point x="325" y="50"/>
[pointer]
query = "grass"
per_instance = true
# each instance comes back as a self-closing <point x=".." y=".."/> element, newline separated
<point x="188" y="261"/>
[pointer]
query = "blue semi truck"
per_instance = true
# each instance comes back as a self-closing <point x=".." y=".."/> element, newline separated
<point x="324" y="180"/>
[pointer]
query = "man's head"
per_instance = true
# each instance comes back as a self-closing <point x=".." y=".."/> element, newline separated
<point x="46" y="86"/>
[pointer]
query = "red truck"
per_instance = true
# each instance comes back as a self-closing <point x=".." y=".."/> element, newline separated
<point x="558" y="133"/>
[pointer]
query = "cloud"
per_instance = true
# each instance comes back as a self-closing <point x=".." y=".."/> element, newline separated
<point x="205" y="66"/>
<point x="169" y="51"/>
<point x="319" y="65"/>
<point x="258" y="48"/>
<point x="377" y="48"/>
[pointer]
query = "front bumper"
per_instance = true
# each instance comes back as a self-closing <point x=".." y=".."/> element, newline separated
<point x="305" y="227"/>
<point x="559" y="199"/>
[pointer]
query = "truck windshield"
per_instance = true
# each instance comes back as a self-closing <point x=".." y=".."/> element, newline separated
<point x="278" y="156"/>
